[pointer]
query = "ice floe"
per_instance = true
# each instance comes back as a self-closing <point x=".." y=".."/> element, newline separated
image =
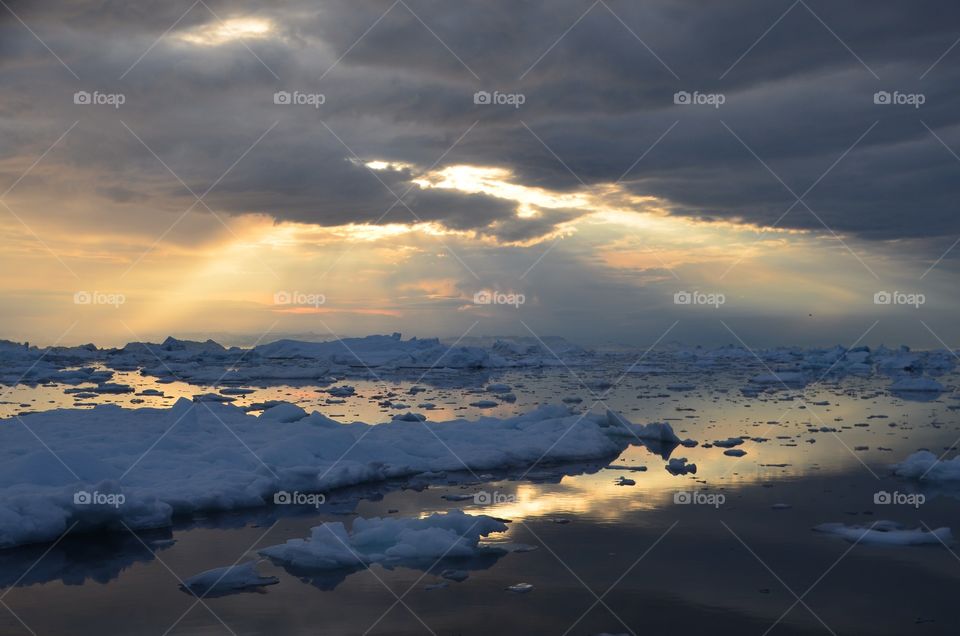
<point x="227" y="580"/>
<point x="108" y="466"/>
<point x="886" y="533"/>
<point x="928" y="467"/>
<point x="331" y="546"/>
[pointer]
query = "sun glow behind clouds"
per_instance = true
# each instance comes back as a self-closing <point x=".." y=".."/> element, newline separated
<point x="223" y="31"/>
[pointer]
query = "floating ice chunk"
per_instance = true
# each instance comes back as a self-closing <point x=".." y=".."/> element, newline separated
<point x="235" y="391"/>
<point x="657" y="431"/>
<point x="330" y="546"/>
<point x="886" y="533"/>
<point x="484" y="404"/>
<point x="520" y="588"/>
<point x="679" y="466"/>
<point x="455" y="575"/>
<point x="498" y="388"/>
<point x="623" y="481"/>
<point x="283" y="413"/>
<point x="212" y="397"/>
<point x="735" y="452"/>
<point x="928" y="467"/>
<point x="729" y="442"/>
<point x="221" y="581"/>
<point x="342" y="391"/>
<point x="639" y="469"/>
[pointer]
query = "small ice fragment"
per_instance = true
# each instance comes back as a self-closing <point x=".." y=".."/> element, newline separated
<point x="728" y="443"/>
<point x="234" y="578"/>
<point x="520" y="588"/>
<point x="887" y="533"/>
<point x="679" y="466"/>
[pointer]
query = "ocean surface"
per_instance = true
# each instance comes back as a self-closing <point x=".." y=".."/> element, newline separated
<point x="729" y="549"/>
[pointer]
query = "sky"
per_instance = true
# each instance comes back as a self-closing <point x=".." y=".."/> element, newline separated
<point x="754" y="173"/>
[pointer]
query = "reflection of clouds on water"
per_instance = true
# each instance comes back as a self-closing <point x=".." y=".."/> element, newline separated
<point x="79" y="560"/>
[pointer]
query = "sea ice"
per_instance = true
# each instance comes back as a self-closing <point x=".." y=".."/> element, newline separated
<point x="221" y="581"/>
<point x="886" y="533"/>
<point x="928" y="467"/>
<point x="210" y="456"/>
<point x="389" y="540"/>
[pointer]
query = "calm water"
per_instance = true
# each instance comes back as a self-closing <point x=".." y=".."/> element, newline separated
<point x="656" y="566"/>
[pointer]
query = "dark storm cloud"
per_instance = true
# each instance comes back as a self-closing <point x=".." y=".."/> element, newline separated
<point x="799" y="99"/>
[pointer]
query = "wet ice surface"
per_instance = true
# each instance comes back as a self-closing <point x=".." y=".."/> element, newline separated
<point x="815" y="454"/>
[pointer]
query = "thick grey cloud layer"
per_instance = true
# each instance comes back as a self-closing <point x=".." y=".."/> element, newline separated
<point x="799" y="98"/>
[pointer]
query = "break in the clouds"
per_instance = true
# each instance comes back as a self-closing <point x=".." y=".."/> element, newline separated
<point x="398" y="81"/>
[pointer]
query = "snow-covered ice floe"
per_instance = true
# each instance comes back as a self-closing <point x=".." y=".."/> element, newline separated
<point x="887" y="533"/>
<point x="108" y="467"/>
<point x="928" y="467"/>
<point x="330" y="546"/>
